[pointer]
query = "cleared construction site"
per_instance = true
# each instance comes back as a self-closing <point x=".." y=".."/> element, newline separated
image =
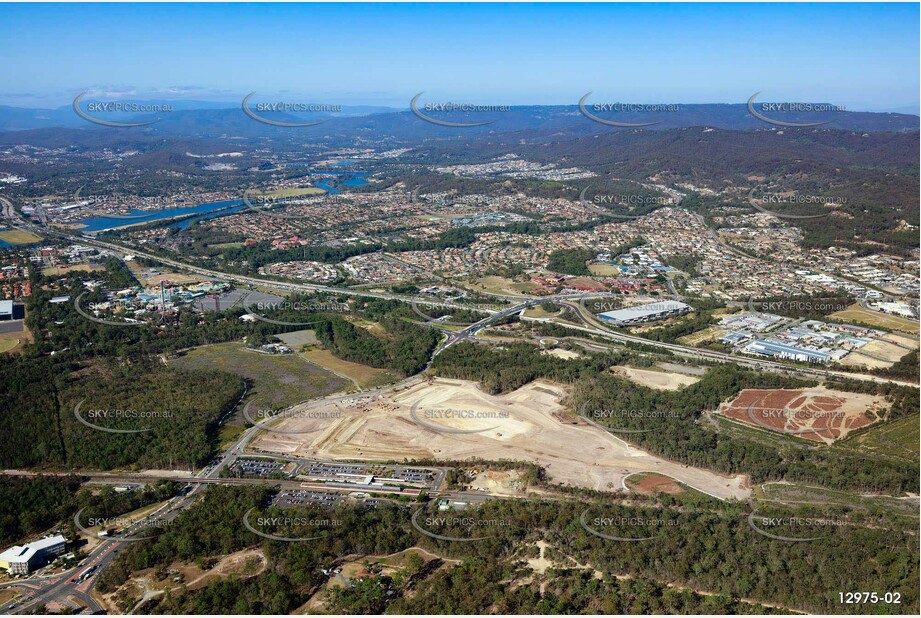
<point x="455" y="420"/>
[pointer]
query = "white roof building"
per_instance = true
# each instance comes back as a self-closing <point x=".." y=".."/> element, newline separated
<point x="20" y="559"/>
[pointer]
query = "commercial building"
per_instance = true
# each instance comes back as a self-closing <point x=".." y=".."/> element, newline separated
<point x="644" y="313"/>
<point x="10" y="311"/>
<point x="765" y="347"/>
<point x="22" y="559"/>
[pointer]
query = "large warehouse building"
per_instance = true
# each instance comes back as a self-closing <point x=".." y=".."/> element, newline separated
<point x="644" y="313"/>
<point x="767" y="347"/>
<point x="22" y="559"/>
<point x="10" y="310"/>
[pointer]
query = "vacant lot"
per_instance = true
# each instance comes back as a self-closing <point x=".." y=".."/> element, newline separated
<point x="19" y="237"/>
<point x="650" y="484"/>
<point x="702" y="336"/>
<point x="153" y="276"/>
<point x="17" y="336"/>
<point x="604" y="269"/>
<point x="298" y="339"/>
<point x="500" y="285"/>
<point x="898" y="439"/>
<point x="455" y="420"/>
<point x="56" y="271"/>
<point x="499" y="482"/>
<point x="817" y="414"/>
<point x="660" y="380"/>
<point x="882" y="352"/>
<point x="363" y="375"/>
<point x="280" y="380"/>
<point x="856" y="313"/>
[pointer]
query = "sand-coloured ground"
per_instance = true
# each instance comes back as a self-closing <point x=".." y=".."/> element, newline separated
<point x="529" y="424"/>
<point x="818" y="414"/>
<point x="499" y="483"/>
<point x="660" y="380"/>
<point x="881" y="352"/>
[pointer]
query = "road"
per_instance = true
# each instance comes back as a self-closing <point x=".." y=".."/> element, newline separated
<point x="453" y="337"/>
<point x="63" y="586"/>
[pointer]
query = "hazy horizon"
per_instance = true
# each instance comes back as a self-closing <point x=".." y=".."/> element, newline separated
<point x="860" y="56"/>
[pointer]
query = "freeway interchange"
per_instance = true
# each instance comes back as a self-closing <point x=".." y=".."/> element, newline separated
<point x="572" y="300"/>
<point x="79" y="590"/>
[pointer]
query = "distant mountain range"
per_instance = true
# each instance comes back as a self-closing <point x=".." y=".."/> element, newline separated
<point x="541" y="122"/>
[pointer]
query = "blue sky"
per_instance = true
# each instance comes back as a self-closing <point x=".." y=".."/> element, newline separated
<point x="862" y="56"/>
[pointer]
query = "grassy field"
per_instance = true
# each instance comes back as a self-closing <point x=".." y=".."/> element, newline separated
<point x="702" y="336"/>
<point x="499" y="285"/>
<point x="54" y="271"/>
<point x="8" y="344"/>
<point x="229" y="434"/>
<point x="856" y="313"/>
<point x="226" y="245"/>
<point x="603" y="269"/>
<point x="801" y="494"/>
<point x="13" y="342"/>
<point x="366" y="377"/>
<point x="538" y="312"/>
<point x="898" y="439"/>
<point x="19" y="237"/>
<point x="279" y="380"/>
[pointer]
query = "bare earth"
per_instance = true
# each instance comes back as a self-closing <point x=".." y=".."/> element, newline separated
<point x="655" y="379"/>
<point x="534" y="426"/>
<point x="818" y="414"/>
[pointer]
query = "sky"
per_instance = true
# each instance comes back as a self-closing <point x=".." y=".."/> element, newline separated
<point x="860" y="56"/>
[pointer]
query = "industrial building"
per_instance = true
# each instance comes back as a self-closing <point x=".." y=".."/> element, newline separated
<point x="22" y="559"/>
<point x="10" y="311"/>
<point x="644" y="313"/>
<point x="766" y="347"/>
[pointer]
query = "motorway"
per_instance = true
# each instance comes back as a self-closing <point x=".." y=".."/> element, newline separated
<point x="60" y="587"/>
<point x="453" y="337"/>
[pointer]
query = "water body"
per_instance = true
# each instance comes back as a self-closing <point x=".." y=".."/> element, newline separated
<point x="98" y="224"/>
<point x="353" y="179"/>
<point x="207" y="211"/>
